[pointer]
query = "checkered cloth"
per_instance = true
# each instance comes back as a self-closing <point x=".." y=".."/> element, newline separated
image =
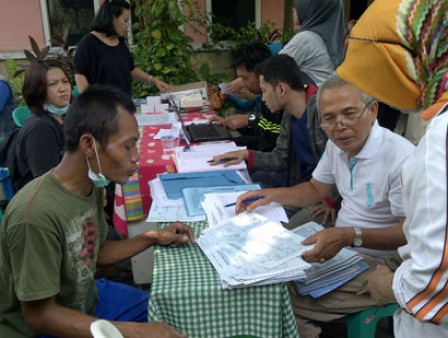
<point x="186" y="293"/>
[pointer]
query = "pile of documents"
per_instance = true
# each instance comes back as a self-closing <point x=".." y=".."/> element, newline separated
<point x="322" y="278"/>
<point x="220" y="207"/>
<point x="249" y="250"/>
<point x="179" y="196"/>
<point x="198" y="157"/>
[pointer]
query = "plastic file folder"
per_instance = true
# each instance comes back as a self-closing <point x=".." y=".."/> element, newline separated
<point x="174" y="183"/>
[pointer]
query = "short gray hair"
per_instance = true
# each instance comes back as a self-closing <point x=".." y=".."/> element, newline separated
<point x="335" y="81"/>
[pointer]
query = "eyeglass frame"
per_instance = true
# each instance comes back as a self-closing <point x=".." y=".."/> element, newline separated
<point x="344" y="119"/>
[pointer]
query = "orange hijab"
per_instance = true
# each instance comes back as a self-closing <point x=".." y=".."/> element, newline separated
<point x="398" y="53"/>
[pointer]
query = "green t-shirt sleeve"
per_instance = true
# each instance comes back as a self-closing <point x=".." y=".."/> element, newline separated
<point x="36" y="261"/>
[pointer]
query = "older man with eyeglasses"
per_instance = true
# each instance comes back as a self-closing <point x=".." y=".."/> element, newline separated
<point x="363" y="160"/>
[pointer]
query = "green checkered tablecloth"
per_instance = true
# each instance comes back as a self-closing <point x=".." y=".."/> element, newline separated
<point x="186" y="293"/>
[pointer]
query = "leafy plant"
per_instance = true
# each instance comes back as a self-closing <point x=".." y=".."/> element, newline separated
<point x="15" y="75"/>
<point x="162" y="48"/>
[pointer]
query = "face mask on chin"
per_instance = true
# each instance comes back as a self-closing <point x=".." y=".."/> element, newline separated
<point x="99" y="180"/>
<point x="56" y="110"/>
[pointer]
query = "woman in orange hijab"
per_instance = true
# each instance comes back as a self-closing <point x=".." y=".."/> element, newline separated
<point x="398" y="53"/>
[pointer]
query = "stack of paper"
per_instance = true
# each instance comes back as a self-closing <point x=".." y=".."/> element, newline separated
<point x="218" y="209"/>
<point x="196" y="159"/>
<point x="195" y="196"/>
<point x="155" y="119"/>
<point x="322" y="278"/>
<point x="249" y="249"/>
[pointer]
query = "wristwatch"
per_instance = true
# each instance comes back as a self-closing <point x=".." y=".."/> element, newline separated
<point x="357" y="241"/>
<point x="252" y="120"/>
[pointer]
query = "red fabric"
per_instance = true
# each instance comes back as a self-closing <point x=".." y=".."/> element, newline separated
<point x="152" y="162"/>
<point x="250" y="159"/>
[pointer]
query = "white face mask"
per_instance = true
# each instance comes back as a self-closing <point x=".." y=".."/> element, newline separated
<point x="99" y="180"/>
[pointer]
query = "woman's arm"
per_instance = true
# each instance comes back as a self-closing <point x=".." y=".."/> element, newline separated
<point x="140" y="75"/>
<point x="81" y="82"/>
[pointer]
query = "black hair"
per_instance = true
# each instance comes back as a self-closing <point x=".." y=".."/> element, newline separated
<point x="109" y="10"/>
<point x="281" y="68"/>
<point x="250" y="54"/>
<point x="95" y="112"/>
<point x="34" y="88"/>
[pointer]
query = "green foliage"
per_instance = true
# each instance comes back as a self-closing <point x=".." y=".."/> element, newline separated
<point x="162" y="48"/>
<point x="205" y="74"/>
<point x="15" y="75"/>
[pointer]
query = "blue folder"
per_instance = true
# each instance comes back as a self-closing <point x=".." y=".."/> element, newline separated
<point x="174" y="183"/>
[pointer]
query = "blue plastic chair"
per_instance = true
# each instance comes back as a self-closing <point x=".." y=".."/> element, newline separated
<point x="20" y="114"/>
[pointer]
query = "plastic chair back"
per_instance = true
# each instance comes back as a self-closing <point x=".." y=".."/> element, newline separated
<point x="363" y="324"/>
<point x="75" y="91"/>
<point x="20" y="114"/>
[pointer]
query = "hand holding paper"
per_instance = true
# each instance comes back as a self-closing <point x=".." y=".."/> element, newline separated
<point x="328" y="243"/>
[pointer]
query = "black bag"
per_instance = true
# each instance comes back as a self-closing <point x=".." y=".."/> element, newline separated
<point x="7" y="148"/>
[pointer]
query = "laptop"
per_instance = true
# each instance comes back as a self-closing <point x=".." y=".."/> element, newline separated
<point x="200" y="132"/>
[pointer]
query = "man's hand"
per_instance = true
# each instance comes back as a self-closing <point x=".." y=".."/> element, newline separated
<point x="236" y="121"/>
<point x="263" y="197"/>
<point x="232" y="122"/>
<point x="235" y="86"/>
<point x="328" y="213"/>
<point x="327" y="243"/>
<point x="380" y="285"/>
<point x="175" y="234"/>
<point x="217" y="119"/>
<point x="230" y="158"/>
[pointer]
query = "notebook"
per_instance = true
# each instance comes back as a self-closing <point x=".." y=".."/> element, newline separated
<point x="200" y="132"/>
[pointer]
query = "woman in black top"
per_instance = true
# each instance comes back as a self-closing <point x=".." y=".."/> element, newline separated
<point x="102" y="55"/>
<point x="40" y="142"/>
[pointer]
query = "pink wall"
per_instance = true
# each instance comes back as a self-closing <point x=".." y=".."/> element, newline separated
<point x="18" y="19"/>
<point x="272" y="10"/>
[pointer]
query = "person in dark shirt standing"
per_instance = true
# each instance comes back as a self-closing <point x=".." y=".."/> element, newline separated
<point x="102" y="55"/>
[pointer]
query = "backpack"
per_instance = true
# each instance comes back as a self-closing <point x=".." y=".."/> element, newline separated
<point x="7" y="148"/>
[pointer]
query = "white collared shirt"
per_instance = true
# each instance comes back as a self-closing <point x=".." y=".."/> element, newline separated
<point x="369" y="183"/>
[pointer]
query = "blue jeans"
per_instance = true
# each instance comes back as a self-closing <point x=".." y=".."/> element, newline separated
<point x="120" y="302"/>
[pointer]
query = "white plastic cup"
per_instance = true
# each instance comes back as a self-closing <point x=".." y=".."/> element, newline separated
<point x="169" y="142"/>
<point x="103" y="329"/>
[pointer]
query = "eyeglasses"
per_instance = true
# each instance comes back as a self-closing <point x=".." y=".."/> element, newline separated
<point x="347" y="118"/>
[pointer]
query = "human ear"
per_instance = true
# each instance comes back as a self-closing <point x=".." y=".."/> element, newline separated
<point x="86" y="145"/>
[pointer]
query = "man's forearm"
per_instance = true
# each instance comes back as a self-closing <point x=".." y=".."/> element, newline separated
<point x="389" y="238"/>
<point x="301" y="195"/>
<point x="115" y="251"/>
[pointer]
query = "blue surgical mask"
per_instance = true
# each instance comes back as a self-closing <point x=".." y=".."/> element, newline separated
<point x="55" y="110"/>
<point x="99" y="180"/>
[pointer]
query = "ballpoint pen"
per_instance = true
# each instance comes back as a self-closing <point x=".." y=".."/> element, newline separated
<point x="247" y="200"/>
<point x="223" y="160"/>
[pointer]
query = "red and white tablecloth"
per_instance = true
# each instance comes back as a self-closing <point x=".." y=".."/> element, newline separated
<point x="133" y="200"/>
